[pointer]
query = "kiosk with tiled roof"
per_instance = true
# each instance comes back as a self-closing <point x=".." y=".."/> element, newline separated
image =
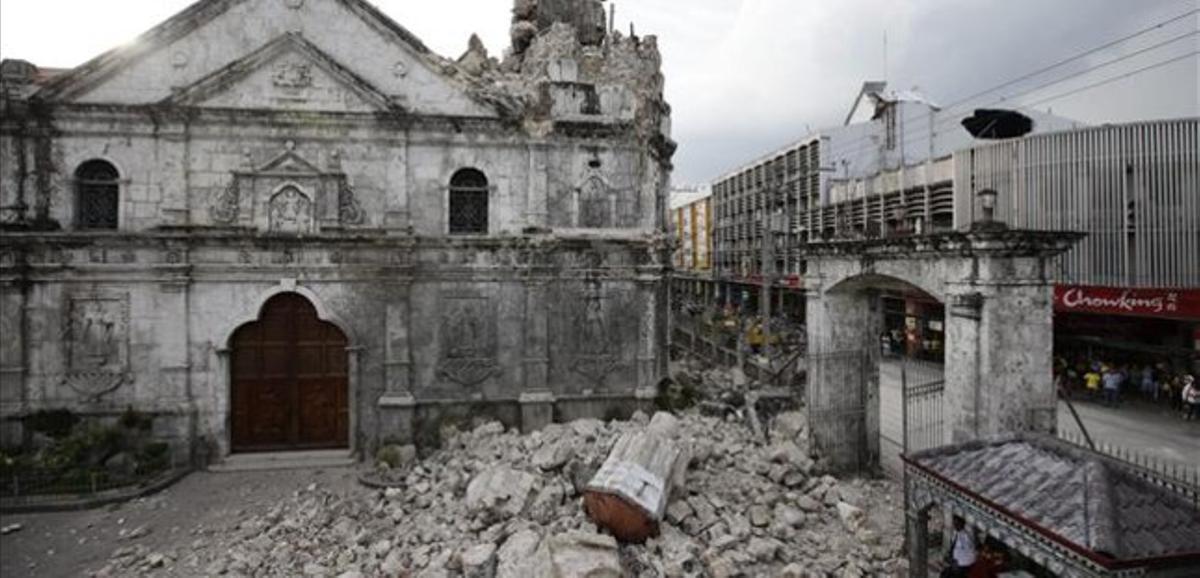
<point x="1073" y="511"/>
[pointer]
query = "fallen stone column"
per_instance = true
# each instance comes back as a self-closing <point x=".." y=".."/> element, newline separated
<point x="628" y="496"/>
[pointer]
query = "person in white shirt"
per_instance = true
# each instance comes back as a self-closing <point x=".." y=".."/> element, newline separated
<point x="961" y="555"/>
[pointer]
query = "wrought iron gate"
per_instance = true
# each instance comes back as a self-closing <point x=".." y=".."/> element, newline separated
<point x="924" y="387"/>
<point x="837" y="408"/>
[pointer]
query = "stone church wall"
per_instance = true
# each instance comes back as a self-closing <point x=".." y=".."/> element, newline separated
<point x="289" y="159"/>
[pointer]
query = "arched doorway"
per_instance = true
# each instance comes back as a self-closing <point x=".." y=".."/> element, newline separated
<point x="289" y="379"/>
<point x="877" y="373"/>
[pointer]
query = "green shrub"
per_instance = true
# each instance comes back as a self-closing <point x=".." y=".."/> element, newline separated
<point x="87" y="447"/>
<point x="153" y="457"/>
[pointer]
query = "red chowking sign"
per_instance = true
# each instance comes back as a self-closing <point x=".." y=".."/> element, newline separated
<point x="1177" y="303"/>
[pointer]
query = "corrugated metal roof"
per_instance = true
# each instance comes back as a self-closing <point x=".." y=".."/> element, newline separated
<point x="1081" y="496"/>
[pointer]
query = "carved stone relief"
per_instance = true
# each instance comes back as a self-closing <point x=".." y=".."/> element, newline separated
<point x="350" y="212"/>
<point x="291" y="212"/>
<point x="288" y="194"/>
<point x="224" y="209"/>
<point x="97" y="339"/>
<point x="597" y="346"/>
<point x="292" y="75"/>
<point x="468" y="341"/>
<point x="593" y="334"/>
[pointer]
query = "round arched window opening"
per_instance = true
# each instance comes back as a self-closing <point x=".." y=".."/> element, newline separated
<point x="468" y="203"/>
<point x="97" y="187"/>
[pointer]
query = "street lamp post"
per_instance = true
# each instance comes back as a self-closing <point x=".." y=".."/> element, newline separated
<point x="987" y="221"/>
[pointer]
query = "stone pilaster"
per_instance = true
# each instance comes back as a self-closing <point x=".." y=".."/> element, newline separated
<point x="171" y="337"/>
<point x="12" y="360"/>
<point x="397" y="405"/>
<point x="648" y="295"/>
<point x="537" y="400"/>
<point x="397" y="217"/>
<point x="537" y="192"/>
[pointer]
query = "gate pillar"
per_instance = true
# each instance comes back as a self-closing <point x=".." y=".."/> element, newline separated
<point x="843" y="386"/>
<point x="999" y="352"/>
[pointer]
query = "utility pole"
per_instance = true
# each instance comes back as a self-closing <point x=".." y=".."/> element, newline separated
<point x="774" y="193"/>
<point x="768" y="270"/>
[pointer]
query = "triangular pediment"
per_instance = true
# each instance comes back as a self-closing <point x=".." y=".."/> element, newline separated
<point x="289" y="73"/>
<point x="289" y="163"/>
<point x="251" y="53"/>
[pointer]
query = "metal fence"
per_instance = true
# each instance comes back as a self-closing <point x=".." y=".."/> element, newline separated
<point x="26" y="482"/>
<point x="924" y="388"/>
<point x="1171" y="475"/>
<point x="784" y="370"/>
<point x="685" y="341"/>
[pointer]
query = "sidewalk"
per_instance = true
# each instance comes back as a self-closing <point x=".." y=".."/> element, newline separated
<point x="1143" y="428"/>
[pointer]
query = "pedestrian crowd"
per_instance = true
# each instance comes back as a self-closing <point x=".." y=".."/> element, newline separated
<point x="1111" y="382"/>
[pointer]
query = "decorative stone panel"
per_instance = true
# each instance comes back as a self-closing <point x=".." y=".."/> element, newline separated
<point x="97" y="341"/>
<point x="468" y="340"/>
<point x="288" y="195"/>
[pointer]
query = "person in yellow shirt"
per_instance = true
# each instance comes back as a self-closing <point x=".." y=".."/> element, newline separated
<point x="1092" y="380"/>
<point x="755" y="337"/>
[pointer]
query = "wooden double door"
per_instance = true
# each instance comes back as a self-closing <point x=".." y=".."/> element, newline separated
<point x="290" y="380"/>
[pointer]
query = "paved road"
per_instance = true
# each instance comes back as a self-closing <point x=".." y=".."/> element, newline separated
<point x="190" y="513"/>
<point x="1148" y="430"/>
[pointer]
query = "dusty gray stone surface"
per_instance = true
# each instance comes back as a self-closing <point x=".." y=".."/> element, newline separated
<point x="731" y="518"/>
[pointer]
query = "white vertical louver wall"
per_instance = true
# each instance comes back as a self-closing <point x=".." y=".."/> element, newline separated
<point x="1135" y="189"/>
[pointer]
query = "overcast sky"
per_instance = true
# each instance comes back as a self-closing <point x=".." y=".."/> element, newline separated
<point x="747" y="76"/>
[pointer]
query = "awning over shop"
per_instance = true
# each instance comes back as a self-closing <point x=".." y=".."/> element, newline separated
<point x="1074" y="511"/>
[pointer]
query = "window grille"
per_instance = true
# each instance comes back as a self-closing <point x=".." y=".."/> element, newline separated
<point x="468" y="203"/>
<point x="97" y="187"/>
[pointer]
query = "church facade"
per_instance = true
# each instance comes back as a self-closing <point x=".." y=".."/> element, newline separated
<point x="286" y="224"/>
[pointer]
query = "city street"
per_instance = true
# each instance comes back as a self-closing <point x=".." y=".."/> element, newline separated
<point x="1144" y="429"/>
<point x="1151" y="431"/>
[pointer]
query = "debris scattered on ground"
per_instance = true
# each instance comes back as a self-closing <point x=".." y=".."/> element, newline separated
<point x="9" y="529"/>
<point x="497" y="504"/>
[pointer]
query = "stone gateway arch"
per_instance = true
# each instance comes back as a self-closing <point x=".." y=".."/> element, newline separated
<point x="997" y="290"/>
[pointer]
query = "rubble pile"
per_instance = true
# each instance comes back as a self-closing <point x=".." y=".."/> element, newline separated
<point x="495" y="503"/>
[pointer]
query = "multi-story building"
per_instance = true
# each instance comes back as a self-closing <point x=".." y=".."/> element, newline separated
<point x="794" y="188"/>
<point x="1130" y="290"/>
<point x="691" y="219"/>
<point x="906" y="167"/>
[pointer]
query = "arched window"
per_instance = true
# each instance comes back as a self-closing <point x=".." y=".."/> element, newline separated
<point x="468" y="203"/>
<point x="97" y="195"/>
